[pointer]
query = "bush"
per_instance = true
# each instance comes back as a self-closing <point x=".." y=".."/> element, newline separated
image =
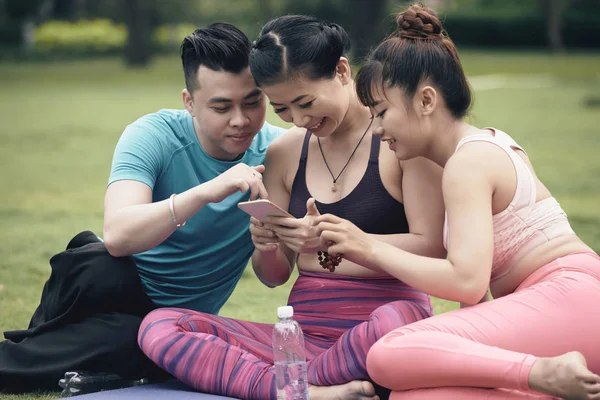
<point x="83" y="37"/>
<point x="525" y="30"/>
<point x="99" y="37"/>
<point x="168" y="38"/>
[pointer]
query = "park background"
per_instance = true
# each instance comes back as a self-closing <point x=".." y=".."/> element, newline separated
<point x="74" y="73"/>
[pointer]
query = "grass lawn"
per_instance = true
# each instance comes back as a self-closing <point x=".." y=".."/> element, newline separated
<point x="60" y="123"/>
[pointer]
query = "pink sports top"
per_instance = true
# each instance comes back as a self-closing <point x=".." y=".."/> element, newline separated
<point x="524" y="224"/>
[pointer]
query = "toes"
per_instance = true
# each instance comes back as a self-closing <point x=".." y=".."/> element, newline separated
<point x="593" y="388"/>
<point x="367" y="388"/>
<point x="587" y="376"/>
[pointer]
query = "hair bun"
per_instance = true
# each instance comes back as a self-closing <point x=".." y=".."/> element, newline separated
<point x="330" y="26"/>
<point x="418" y="22"/>
<point x="336" y="35"/>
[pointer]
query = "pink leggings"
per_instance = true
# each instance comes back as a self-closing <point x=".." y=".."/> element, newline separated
<point x="487" y="351"/>
<point x="341" y="318"/>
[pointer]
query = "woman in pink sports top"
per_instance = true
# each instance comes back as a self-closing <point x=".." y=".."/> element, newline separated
<point x="538" y="337"/>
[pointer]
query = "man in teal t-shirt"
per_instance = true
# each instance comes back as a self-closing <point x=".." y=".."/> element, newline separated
<point x="192" y="167"/>
<point x="198" y="265"/>
<point x="170" y="204"/>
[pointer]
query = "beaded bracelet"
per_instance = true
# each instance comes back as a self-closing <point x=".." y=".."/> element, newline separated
<point x="327" y="261"/>
<point x="172" y="211"/>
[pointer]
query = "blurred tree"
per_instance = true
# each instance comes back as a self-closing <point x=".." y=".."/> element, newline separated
<point x="142" y="17"/>
<point x="247" y="15"/>
<point x="265" y="9"/>
<point x="22" y="9"/>
<point x="23" y="14"/>
<point x="554" y="11"/>
<point x="64" y="9"/>
<point x="366" y="25"/>
<point x="364" y="20"/>
<point x="138" y="50"/>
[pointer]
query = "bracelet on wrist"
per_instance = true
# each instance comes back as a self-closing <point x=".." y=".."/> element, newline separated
<point x="172" y="212"/>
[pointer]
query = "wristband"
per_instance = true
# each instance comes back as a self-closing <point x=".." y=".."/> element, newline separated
<point x="172" y="211"/>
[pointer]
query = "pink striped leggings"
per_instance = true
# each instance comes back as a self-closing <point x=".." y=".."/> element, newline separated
<point x="341" y="318"/>
<point x="487" y="351"/>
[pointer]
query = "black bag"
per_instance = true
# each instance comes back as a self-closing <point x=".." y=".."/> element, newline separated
<point x="88" y="319"/>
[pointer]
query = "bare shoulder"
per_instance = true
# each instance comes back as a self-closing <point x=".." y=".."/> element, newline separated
<point x="474" y="161"/>
<point x="287" y="146"/>
<point x="287" y="142"/>
<point x="284" y="152"/>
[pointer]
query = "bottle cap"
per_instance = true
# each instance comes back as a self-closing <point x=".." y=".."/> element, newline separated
<point x="285" y="312"/>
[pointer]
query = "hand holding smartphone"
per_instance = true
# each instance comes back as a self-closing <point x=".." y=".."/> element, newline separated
<point x="260" y="209"/>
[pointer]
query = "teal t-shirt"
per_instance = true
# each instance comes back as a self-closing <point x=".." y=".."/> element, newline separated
<point x="199" y="265"/>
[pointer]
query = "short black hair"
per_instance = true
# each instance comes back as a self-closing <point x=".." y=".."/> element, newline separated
<point x="297" y="45"/>
<point x="219" y="46"/>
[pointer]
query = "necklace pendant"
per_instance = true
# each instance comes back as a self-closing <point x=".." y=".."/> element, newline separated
<point x="333" y="186"/>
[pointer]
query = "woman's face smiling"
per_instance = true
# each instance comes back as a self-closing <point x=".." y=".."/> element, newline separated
<point x="319" y="105"/>
<point x="397" y="123"/>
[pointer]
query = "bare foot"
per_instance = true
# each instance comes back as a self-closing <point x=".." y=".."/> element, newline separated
<point x="355" y="390"/>
<point x="565" y="376"/>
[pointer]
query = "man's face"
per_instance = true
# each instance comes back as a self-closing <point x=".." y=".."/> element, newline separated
<point x="228" y="110"/>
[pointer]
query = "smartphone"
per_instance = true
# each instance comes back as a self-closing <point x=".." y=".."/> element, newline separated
<point x="262" y="208"/>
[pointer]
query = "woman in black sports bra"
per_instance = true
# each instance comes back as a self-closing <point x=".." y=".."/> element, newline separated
<point x="330" y="162"/>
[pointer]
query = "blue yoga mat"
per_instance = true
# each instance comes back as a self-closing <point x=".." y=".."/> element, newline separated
<point x="159" y="391"/>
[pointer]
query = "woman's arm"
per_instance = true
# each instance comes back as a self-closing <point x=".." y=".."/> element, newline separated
<point x="424" y="207"/>
<point x="273" y="263"/>
<point x="464" y="275"/>
<point x="486" y="297"/>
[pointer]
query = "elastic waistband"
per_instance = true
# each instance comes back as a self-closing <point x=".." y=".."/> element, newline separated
<point x="328" y="275"/>
<point x="324" y="291"/>
<point x="586" y="262"/>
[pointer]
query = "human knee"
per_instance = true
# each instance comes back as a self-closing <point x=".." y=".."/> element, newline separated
<point x="396" y="315"/>
<point x="383" y="311"/>
<point x="381" y="363"/>
<point x="158" y="323"/>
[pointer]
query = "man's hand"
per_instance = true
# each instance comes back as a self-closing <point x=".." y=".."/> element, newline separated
<point x="239" y="178"/>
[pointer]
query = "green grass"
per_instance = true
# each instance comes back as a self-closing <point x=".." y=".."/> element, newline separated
<point x="60" y="123"/>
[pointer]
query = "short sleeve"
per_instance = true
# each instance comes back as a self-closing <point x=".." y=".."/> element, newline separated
<point x="139" y="155"/>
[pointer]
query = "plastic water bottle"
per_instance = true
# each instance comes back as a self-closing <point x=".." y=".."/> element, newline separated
<point x="290" y="357"/>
